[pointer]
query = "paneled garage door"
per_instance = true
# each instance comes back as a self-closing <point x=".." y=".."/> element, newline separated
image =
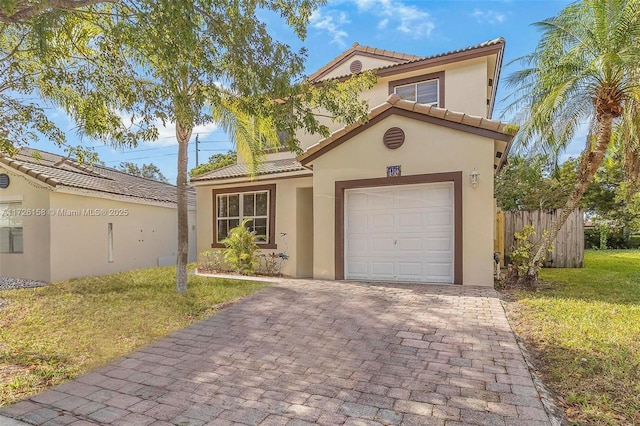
<point x="400" y="233"/>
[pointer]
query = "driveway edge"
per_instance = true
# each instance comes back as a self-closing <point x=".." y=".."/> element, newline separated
<point x="554" y="411"/>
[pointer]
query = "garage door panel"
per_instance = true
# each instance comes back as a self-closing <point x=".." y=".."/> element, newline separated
<point x="410" y="269"/>
<point x="409" y="198"/>
<point x="440" y="270"/>
<point x="438" y="219"/>
<point x="410" y="245"/>
<point x="382" y="245"/>
<point x="360" y="267"/>
<point x="381" y="222"/>
<point x="382" y="268"/>
<point x="439" y="245"/>
<point x="410" y="219"/>
<point x="381" y="200"/>
<point x="408" y="232"/>
<point x="357" y="247"/>
<point x="357" y="222"/>
<point x="439" y="196"/>
<point x="358" y="202"/>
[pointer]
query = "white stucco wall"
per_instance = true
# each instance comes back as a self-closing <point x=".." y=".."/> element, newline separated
<point x="79" y="240"/>
<point x="33" y="263"/>
<point x="427" y="148"/>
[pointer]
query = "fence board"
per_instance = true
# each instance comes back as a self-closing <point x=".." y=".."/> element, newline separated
<point x="568" y="246"/>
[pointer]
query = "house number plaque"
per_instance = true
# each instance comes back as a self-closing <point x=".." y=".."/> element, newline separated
<point x="394" y="171"/>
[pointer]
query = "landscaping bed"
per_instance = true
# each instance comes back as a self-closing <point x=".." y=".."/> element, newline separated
<point x="583" y="327"/>
<point x="54" y="333"/>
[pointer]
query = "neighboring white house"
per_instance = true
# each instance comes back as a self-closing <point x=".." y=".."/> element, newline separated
<point x="408" y="196"/>
<point x="60" y="219"/>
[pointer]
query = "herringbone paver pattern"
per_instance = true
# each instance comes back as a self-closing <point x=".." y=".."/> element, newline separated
<point x="314" y="352"/>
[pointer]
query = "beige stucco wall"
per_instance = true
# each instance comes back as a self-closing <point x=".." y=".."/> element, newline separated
<point x="367" y="63"/>
<point x="428" y="148"/>
<point x="286" y="219"/>
<point x="33" y="263"/>
<point x="465" y="91"/>
<point x="79" y="244"/>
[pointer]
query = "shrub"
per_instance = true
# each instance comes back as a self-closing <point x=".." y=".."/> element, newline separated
<point x="209" y="261"/>
<point x="615" y="239"/>
<point x="273" y="262"/>
<point x="241" y="252"/>
<point x="522" y="254"/>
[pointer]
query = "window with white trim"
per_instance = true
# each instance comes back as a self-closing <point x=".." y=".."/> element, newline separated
<point x="11" y="227"/>
<point x="233" y="208"/>
<point x="423" y="92"/>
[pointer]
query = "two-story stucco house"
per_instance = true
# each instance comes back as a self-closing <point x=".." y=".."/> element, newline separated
<point x="406" y="197"/>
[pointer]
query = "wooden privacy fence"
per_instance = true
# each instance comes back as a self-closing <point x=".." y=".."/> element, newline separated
<point x="568" y="247"/>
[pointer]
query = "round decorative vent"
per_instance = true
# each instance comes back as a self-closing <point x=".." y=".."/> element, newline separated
<point x="393" y="138"/>
<point x="4" y="180"/>
<point x="356" y="66"/>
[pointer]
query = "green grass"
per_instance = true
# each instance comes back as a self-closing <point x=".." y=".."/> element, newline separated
<point x="54" y="333"/>
<point x="584" y="326"/>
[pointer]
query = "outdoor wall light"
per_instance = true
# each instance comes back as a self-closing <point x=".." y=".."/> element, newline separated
<point x="474" y="177"/>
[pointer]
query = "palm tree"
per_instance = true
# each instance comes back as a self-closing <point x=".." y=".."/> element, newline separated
<point x="585" y="69"/>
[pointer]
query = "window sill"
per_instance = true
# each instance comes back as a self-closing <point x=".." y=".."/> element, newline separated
<point x="269" y="246"/>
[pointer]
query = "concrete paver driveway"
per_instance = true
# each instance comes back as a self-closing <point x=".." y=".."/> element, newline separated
<point x="314" y="352"/>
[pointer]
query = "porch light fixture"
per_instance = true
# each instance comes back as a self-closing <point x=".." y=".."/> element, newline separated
<point x="474" y="177"/>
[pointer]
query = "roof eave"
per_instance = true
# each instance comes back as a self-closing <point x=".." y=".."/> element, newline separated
<point x="246" y="178"/>
<point x="16" y="165"/>
<point x="496" y="76"/>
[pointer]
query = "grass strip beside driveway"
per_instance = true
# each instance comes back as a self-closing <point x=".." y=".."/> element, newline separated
<point x="51" y="334"/>
<point x="584" y="327"/>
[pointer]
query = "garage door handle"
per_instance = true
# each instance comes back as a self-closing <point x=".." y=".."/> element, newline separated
<point x="395" y="242"/>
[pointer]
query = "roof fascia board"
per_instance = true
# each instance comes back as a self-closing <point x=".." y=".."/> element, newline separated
<point x="355" y="52"/>
<point x="29" y="178"/>
<point x="70" y="190"/>
<point x="442" y="60"/>
<point x="496" y="78"/>
<point x="245" y="179"/>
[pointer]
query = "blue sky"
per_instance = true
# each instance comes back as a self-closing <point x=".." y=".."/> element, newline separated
<point x="419" y="27"/>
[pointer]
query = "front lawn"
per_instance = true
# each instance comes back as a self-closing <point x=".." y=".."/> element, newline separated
<point x="584" y="328"/>
<point x="51" y="334"/>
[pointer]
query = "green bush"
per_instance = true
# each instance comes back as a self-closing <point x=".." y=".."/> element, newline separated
<point x="241" y="252"/>
<point x="615" y="240"/>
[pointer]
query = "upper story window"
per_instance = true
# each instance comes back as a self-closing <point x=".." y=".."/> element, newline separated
<point x="424" y="89"/>
<point x="11" y="227"/>
<point x="425" y="92"/>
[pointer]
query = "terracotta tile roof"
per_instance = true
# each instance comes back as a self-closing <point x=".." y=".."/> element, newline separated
<point x="381" y="53"/>
<point x="242" y="170"/>
<point x="401" y="58"/>
<point x="492" y="128"/>
<point x="58" y="171"/>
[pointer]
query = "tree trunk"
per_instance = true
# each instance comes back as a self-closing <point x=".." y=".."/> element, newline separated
<point x="589" y="164"/>
<point x="183" y="134"/>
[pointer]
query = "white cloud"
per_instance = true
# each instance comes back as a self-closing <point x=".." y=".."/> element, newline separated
<point x="167" y="133"/>
<point x="489" y="16"/>
<point x="407" y="19"/>
<point x="332" y="22"/>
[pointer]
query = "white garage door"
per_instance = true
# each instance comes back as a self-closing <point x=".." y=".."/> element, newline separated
<point x="400" y="233"/>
